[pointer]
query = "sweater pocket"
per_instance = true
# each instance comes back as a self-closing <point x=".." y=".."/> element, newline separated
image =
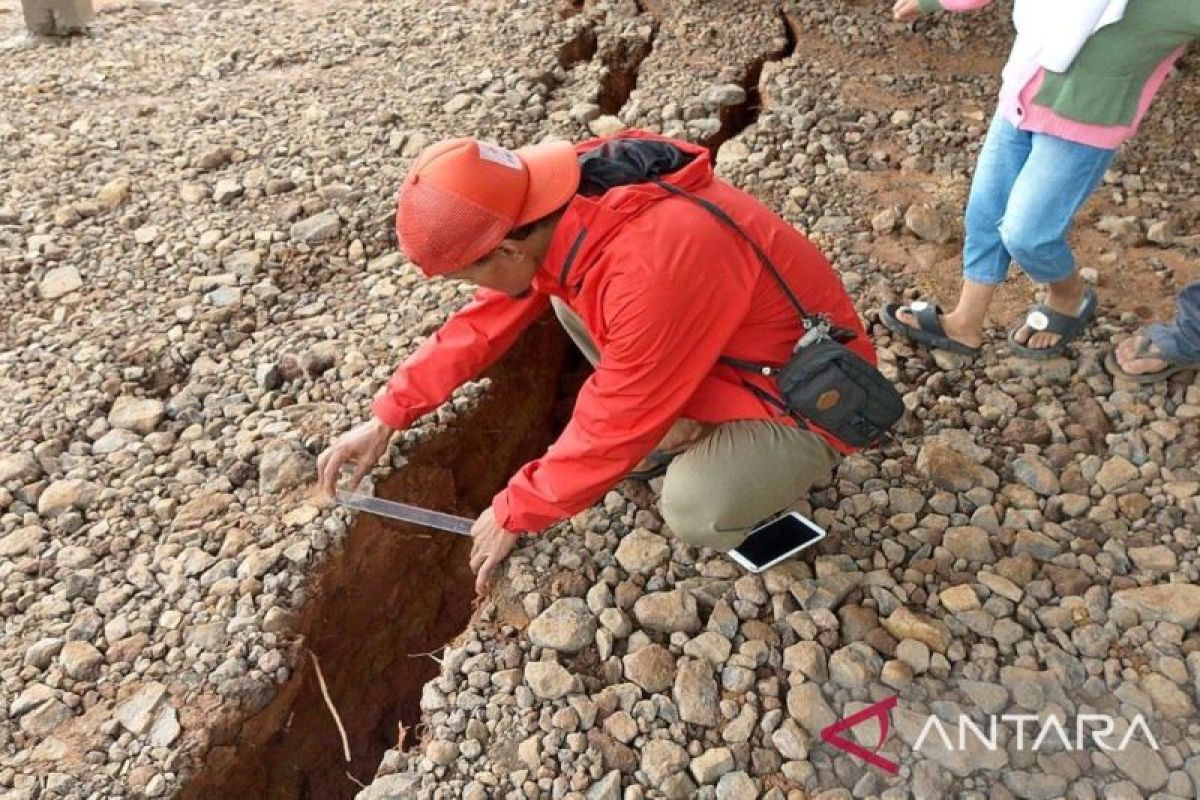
<point x="1091" y="98"/>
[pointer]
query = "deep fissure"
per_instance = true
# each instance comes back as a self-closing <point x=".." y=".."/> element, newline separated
<point x="622" y="60"/>
<point x="736" y="118"/>
<point x="392" y="595"/>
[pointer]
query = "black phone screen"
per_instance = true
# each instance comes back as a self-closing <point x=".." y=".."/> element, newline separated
<point x="777" y="538"/>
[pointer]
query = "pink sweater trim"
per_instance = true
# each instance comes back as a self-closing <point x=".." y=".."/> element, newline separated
<point x="1019" y="109"/>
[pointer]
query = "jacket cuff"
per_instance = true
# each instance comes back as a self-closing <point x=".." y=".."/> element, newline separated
<point x="501" y="512"/>
<point x="387" y="411"/>
<point x="930" y="6"/>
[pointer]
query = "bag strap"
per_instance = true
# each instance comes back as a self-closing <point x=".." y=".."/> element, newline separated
<point x="805" y="318"/>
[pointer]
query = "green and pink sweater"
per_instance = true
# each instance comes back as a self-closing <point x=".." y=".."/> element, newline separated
<point x="1103" y="95"/>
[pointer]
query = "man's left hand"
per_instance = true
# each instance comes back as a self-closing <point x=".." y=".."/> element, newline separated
<point x="491" y="544"/>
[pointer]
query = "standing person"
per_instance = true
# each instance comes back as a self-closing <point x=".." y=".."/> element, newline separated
<point x="1079" y="80"/>
<point x="620" y="236"/>
<point x="1157" y="352"/>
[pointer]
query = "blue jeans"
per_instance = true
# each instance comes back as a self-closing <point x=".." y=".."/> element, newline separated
<point x="1026" y="190"/>
<point x="1180" y="339"/>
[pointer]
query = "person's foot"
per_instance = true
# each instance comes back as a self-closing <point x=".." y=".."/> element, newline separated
<point x="963" y="331"/>
<point x="1065" y="300"/>
<point x="1130" y="356"/>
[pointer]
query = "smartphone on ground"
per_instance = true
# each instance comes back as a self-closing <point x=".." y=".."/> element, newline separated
<point x="776" y="540"/>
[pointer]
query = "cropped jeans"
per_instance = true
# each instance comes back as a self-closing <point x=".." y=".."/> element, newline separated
<point x="1026" y="191"/>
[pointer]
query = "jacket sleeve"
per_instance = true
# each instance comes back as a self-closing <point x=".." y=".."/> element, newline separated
<point x="468" y="343"/>
<point x="930" y="6"/>
<point x="662" y="341"/>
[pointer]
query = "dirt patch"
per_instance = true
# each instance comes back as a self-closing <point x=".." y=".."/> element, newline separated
<point x="393" y="593"/>
<point x="1143" y="280"/>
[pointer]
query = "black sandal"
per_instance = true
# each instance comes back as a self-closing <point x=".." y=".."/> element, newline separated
<point x="1146" y="348"/>
<point x="1043" y="319"/>
<point x="928" y="330"/>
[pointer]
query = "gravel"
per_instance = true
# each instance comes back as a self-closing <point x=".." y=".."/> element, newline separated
<point x="200" y="290"/>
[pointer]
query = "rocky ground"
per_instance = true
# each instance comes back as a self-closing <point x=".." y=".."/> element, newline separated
<point x="199" y="290"/>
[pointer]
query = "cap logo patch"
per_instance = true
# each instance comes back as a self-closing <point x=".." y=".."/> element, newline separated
<point x="498" y="155"/>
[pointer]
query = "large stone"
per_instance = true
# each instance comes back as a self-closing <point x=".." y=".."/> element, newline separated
<point x="567" y="625"/>
<point x="949" y="469"/>
<point x="1170" y="701"/>
<point x="202" y="508"/>
<point x="137" y="712"/>
<point x="1034" y="473"/>
<point x="607" y="788"/>
<point x="854" y="666"/>
<point x="957" y="599"/>
<point x="81" y="660"/>
<point x="138" y="414"/>
<point x="44" y="719"/>
<point x="165" y="729"/>
<point x="21" y="541"/>
<point x="1140" y="763"/>
<point x="1166" y="602"/>
<point x="549" y="681"/>
<point x="791" y="740"/>
<point x="809" y="659"/>
<point x="60" y="281"/>
<point x="652" y="667"/>
<point x="1158" y="558"/>
<point x="319" y="228"/>
<point x="928" y="223"/>
<point x="662" y="758"/>
<point x="227" y="189"/>
<point x="808" y="706"/>
<point x="711" y="765"/>
<point x="1116" y="473"/>
<point x="736" y="786"/>
<point x="19" y="468"/>
<point x="668" y="612"/>
<point x="62" y="496"/>
<point x="709" y="645"/>
<point x="285" y="465"/>
<point x="970" y="543"/>
<point x="34" y="695"/>
<point x="642" y="551"/>
<point x="114" y="193"/>
<point x="904" y="623"/>
<point x="695" y="692"/>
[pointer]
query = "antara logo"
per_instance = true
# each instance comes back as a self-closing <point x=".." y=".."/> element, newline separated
<point x="1052" y="725"/>
<point x="1100" y="728"/>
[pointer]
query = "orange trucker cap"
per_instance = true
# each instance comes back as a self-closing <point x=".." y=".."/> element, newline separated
<point x="463" y="196"/>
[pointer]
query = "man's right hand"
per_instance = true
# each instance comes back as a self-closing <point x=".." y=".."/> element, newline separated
<point x="361" y="446"/>
<point x="906" y="10"/>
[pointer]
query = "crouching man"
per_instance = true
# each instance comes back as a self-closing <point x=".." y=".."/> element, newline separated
<point x="657" y="271"/>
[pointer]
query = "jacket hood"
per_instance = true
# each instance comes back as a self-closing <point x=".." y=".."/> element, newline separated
<point x="589" y="222"/>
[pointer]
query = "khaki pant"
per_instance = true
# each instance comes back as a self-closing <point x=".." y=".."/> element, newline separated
<point x="737" y="475"/>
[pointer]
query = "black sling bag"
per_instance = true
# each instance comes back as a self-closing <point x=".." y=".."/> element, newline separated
<point x="824" y="382"/>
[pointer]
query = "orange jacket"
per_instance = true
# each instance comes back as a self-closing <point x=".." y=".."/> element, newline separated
<point x="664" y="288"/>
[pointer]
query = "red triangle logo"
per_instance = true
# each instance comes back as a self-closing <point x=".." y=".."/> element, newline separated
<point x="880" y="711"/>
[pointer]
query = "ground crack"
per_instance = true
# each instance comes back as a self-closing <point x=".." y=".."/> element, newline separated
<point x="623" y="61"/>
<point x="737" y="117"/>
